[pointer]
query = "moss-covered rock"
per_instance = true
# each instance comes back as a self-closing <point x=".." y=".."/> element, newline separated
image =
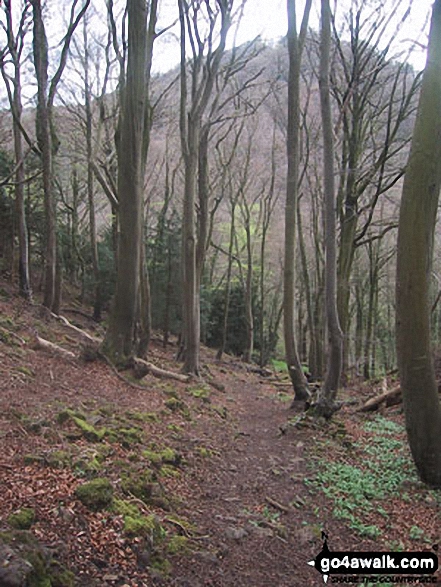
<point x="202" y="393"/>
<point x="29" y="563"/>
<point x="138" y="483"/>
<point x="147" y="526"/>
<point x="89" y="431"/>
<point x="122" y="507"/>
<point x="177" y="405"/>
<point x="166" y="455"/>
<point x="142" y="416"/>
<point x="59" y="459"/>
<point x="22" y="519"/>
<point x="96" y="494"/>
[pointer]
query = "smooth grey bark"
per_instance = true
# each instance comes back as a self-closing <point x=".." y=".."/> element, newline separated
<point x="332" y="380"/>
<point x="119" y="340"/>
<point x="295" y="49"/>
<point x="418" y="214"/>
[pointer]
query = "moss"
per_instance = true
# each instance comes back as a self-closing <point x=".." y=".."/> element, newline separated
<point x="206" y="452"/>
<point x="39" y="576"/>
<point x="96" y="494"/>
<point x="59" y="459"/>
<point x="138" y="484"/>
<point x="221" y="411"/>
<point x="61" y="577"/>
<point x="177" y="544"/>
<point x="22" y="519"/>
<point x="177" y="405"/>
<point x="167" y="455"/>
<point x="91" y="465"/>
<point x="25" y="370"/>
<point x="201" y="393"/>
<point x="161" y="566"/>
<point x="167" y="471"/>
<point x="148" y="526"/>
<point x="142" y="416"/>
<point x="129" y="436"/>
<point x="89" y="432"/>
<point x="124" y="508"/>
<point x="67" y="414"/>
<point x="30" y="459"/>
<point x="44" y="571"/>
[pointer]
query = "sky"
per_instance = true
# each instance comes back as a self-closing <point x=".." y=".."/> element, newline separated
<point x="267" y="18"/>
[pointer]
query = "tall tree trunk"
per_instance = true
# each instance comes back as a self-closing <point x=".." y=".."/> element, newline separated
<point x="333" y="371"/>
<point x="23" y="245"/>
<point x="223" y="344"/>
<point x="119" y="340"/>
<point x="295" y="47"/>
<point x="418" y="213"/>
<point x="249" y="315"/>
<point x="15" y="49"/>
<point x="90" y="183"/>
<point x="44" y="138"/>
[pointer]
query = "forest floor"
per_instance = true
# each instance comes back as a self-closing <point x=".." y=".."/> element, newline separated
<point x="206" y="485"/>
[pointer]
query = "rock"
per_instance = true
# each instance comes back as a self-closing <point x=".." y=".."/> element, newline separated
<point x="96" y="494"/>
<point x="263" y="532"/>
<point x="14" y="570"/>
<point x="235" y="533"/>
<point x="207" y="557"/>
<point x="307" y="534"/>
<point x="24" y="561"/>
<point x="22" y="519"/>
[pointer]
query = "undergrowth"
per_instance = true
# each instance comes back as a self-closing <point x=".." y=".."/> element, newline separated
<point x="375" y="471"/>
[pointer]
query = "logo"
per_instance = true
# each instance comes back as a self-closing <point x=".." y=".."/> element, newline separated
<point x="374" y="563"/>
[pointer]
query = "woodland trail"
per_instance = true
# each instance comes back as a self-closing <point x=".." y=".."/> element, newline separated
<point x="226" y="489"/>
<point x="245" y="500"/>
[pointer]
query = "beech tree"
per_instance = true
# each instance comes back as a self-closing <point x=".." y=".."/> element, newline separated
<point x="205" y="63"/>
<point x="332" y="380"/>
<point x="13" y="52"/>
<point x="375" y="99"/>
<point x="46" y="138"/>
<point x="132" y="145"/>
<point x="418" y="212"/>
<point x="295" y="48"/>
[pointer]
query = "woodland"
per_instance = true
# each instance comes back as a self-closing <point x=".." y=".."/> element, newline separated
<point x="219" y="291"/>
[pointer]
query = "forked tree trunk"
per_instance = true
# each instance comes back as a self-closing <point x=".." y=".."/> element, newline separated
<point x="295" y="47"/>
<point x="418" y="213"/>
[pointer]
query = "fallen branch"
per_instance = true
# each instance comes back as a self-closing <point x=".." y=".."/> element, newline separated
<point x="390" y="398"/>
<point x="146" y="368"/>
<point x="89" y="337"/>
<point x="51" y="347"/>
<point x="277" y="505"/>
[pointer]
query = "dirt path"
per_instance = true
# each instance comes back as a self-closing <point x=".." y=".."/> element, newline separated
<point x="245" y="500"/>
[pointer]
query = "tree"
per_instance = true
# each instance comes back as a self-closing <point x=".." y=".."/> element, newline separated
<point x="14" y="50"/>
<point x="133" y="137"/>
<point x="374" y="95"/>
<point x="332" y="380"/>
<point x="205" y="65"/>
<point x="46" y="139"/>
<point x="422" y="183"/>
<point x="295" y="48"/>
